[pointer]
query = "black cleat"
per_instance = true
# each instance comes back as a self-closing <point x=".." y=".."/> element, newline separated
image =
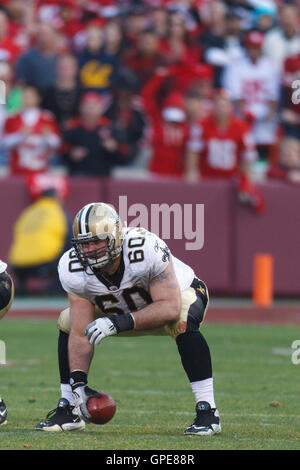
<point x="3" y="412"/>
<point x="61" y="418"/>
<point x="207" y="421"/>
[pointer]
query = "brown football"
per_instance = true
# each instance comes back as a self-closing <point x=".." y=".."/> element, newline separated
<point x="101" y="409"/>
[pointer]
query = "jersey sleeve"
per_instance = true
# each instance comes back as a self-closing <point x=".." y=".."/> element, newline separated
<point x="3" y="266"/>
<point x="157" y="255"/>
<point x="148" y="255"/>
<point x="71" y="274"/>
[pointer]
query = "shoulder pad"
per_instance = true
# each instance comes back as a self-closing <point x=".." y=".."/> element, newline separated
<point x="71" y="273"/>
<point x="146" y="252"/>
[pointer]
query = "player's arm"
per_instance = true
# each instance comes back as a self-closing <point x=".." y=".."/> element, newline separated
<point x="165" y="308"/>
<point x="166" y="305"/>
<point x="80" y="350"/>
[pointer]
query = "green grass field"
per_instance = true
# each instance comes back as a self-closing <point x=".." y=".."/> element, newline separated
<point x="252" y="368"/>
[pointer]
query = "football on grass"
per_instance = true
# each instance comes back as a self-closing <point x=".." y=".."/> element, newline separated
<point x="101" y="409"/>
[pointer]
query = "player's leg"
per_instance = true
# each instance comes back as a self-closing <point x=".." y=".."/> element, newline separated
<point x="7" y="292"/>
<point x="63" y="418"/>
<point x="3" y="412"/>
<point x="196" y="359"/>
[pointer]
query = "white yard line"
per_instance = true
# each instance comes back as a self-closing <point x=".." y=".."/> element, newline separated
<point x="121" y="391"/>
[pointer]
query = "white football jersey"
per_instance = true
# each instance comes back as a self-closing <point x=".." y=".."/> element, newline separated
<point x="257" y="84"/>
<point x="3" y="266"/>
<point x="144" y="256"/>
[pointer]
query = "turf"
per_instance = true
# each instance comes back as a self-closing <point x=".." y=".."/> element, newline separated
<point x="252" y="370"/>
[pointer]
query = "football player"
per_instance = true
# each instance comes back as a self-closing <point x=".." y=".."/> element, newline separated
<point x="126" y="282"/>
<point x="6" y="298"/>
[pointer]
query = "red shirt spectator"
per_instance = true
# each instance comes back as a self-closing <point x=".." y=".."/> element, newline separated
<point x="9" y="50"/>
<point x="145" y="58"/>
<point x="222" y="146"/>
<point x="196" y="76"/>
<point x="169" y="130"/>
<point x="69" y="21"/>
<point x="178" y="47"/>
<point x="31" y="136"/>
<point x="64" y="16"/>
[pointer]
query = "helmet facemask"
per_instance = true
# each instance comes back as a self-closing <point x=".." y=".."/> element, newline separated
<point x="99" y="257"/>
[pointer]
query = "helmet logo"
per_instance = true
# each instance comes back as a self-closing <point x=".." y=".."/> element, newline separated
<point x="87" y="235"/>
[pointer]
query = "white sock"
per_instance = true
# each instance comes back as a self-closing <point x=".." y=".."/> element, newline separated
<point x="66" y="392"/>
<point x="204" y="391"/>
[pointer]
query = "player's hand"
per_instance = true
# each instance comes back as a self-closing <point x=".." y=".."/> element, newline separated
<point x="100" y="329"/>
<point x="81" y="394"/>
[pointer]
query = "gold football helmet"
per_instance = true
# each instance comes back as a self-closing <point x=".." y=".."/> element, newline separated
<point x="7" y="292"/>
<point x="97" y="221"/>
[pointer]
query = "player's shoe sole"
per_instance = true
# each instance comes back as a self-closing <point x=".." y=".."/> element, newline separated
<point x="61" y="427"/>
<point x="203" y="430"/>
<point x="61" y="418"/>
<point x="206" y="423"/>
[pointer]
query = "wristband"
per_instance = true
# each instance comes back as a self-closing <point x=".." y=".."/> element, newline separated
<point x="122" y="322"/>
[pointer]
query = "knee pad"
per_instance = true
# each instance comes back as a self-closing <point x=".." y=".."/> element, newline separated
<point x="63" y="321"/>
<point x="194" y="304"/>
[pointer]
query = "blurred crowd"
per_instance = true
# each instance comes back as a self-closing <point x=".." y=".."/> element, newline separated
<point x="184" y="89"/>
